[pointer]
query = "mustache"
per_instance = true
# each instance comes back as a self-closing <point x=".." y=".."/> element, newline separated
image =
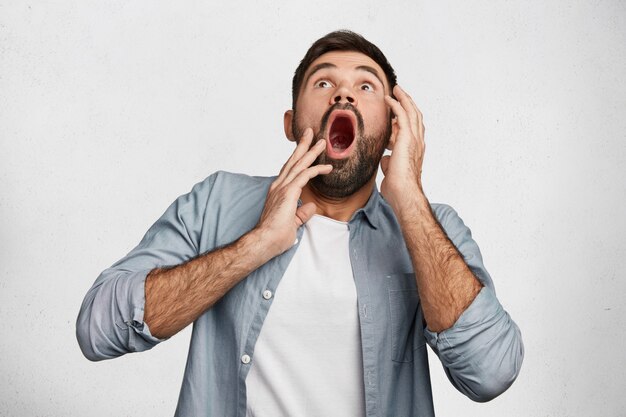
<point x="340" y="106"/>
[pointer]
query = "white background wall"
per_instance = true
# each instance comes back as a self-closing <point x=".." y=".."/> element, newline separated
<point x="110" y="110"/>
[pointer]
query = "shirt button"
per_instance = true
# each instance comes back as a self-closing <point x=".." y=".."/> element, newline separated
<point x="245" y="359"/>
<point x="267" y="294"/>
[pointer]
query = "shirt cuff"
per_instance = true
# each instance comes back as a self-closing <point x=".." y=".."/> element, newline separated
<point x="139" y="336"/>
<point x="481" y="313"/>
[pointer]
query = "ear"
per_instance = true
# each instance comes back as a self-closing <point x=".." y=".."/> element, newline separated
<point x="287" y="120"/>
<point x="394" y="134"/>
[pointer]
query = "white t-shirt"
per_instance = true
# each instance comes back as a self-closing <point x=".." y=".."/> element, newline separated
<point x="307" y="359"/>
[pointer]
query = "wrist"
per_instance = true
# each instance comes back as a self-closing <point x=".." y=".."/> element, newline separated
<point x="411" y="204"/>
<point x="262" y="243"/>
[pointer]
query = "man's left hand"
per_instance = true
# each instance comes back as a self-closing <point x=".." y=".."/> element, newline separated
<point x="403" y="168"/>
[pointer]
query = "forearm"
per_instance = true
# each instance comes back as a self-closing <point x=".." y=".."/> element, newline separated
<point x="445" y="283"/>
<point x="132" y="292"/>
<point x="477" y="342"/>
<point x="176" y="296"/>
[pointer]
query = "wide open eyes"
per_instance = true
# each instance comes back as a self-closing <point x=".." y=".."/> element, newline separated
<point x="367" y="87"/>
<point x="322" y="84"/>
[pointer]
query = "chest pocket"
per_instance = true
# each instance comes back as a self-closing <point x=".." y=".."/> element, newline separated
<point x="405" y="316"/>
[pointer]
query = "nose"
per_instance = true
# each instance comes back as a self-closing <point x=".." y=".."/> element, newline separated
<point x="343" y="95"/>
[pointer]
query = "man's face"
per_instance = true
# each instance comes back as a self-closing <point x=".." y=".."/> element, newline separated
<point x="342" y="100"/>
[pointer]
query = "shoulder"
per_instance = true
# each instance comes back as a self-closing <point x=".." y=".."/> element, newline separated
<point x="233" y="181"/>
<point x="223" y="190"/>
<point x="225" y="205"/>
<point x="224" y="184"/>
<point x="449" y="219"/>
<point x="228" y="194"/>
<point x="444" y="212"/>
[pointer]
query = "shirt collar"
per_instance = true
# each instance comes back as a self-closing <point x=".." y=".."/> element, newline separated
<point x="371" y="210"/>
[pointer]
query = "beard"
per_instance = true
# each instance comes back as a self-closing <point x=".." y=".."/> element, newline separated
<point x="349" y="174"/>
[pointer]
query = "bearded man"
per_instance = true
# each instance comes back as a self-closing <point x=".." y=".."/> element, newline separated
<point x="311" y="293"/>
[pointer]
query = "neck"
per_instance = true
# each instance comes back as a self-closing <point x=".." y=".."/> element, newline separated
<point x="340" y="209"/>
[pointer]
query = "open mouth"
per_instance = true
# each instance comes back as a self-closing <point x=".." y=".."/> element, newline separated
<point x="341" y="133"/>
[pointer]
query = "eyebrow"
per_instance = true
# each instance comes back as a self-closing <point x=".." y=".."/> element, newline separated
<point x="372" y="71"/>
<point x="325" y="65"/>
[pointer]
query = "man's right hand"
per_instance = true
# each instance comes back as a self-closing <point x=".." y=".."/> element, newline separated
<point x="281" y="215"/>
<point x="176" y="296"/>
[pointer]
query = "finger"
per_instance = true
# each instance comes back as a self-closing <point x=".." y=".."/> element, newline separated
<point x="307" y="159"/>
<point x="409" y="98"/>
<point x="303" y="146"/>
<point x="400" y="113"/>
<point x="303" y="177"/>
<point x="409" y="106"/>
<point x="411" y="102"/>
<point x="420" y="118"/>
<point x="305" y="212"/>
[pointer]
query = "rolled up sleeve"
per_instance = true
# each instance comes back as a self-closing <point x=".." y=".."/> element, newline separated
<point x="482" y="352"/>
<point x="110" y="322"/>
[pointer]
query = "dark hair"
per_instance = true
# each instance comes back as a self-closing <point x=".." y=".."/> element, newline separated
<point x="340" y="40"/>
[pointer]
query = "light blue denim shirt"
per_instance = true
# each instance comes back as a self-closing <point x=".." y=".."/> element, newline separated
<point x="481" y="354"/>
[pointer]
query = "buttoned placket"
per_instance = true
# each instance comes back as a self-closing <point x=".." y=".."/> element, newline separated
<point x="365" y="316"/>
<point x="279" y="266"/>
